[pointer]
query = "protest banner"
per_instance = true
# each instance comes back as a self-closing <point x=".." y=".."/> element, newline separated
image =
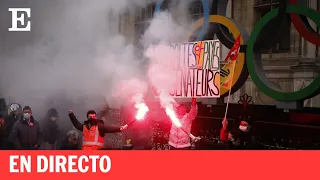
<point x="195" y="65"/>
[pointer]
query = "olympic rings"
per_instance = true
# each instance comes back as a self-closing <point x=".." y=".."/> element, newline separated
<point x="301" y="26"/>
<point x="278" y="17"/>
<point x="272" y="33"/>
<point x="255" y="66"/>
<point x="275" y="28"/>
<point x="206" y="14"/>
<point x="241" y="70"/>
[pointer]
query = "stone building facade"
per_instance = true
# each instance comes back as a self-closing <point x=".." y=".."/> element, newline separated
<point x="291" y="65"/>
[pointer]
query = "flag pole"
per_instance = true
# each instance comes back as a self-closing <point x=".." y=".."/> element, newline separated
<point x="228" y="100"/>
<point x="235" y="55"/>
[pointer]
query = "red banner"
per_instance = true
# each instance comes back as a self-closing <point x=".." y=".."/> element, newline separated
<point x="151" y="165"/>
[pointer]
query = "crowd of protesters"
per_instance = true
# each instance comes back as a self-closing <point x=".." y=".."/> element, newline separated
<point x="20" y="131"/>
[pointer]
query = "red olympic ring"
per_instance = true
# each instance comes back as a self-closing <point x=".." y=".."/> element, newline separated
<point x="300" y="27"/>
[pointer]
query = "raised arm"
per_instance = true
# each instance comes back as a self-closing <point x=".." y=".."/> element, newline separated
<point x="108" y="129"/>
<point x="75" y="121"/>
<point x="194" y="110"/>
<point x="223" y="132"/>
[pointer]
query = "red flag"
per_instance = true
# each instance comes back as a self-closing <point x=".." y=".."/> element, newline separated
<point x="234" y="51"/>
<point x="227" y="70"/>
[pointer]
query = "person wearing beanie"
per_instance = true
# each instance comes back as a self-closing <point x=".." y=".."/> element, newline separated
<point x="94" y="130"/>
<point x="50" y="129"/>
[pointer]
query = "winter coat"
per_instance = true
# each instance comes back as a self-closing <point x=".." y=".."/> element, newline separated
<point x="26" y="136"/>
<point x="9" y="121"/>
<point x="50" y="131"/>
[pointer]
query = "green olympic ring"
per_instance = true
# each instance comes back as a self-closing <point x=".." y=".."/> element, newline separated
<point x="255" y="68"/>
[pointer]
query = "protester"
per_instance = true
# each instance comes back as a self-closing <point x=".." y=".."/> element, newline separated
<point x="14" y="112"/>
<point x="240" y="136"/>
<point x="71" y="141"/>
<point x="93" y="130"/>
<point x="2" y="131"/>
<point x="178" y="139"/>
<point x="26" y="132"/>
<point x="50" y="130"/>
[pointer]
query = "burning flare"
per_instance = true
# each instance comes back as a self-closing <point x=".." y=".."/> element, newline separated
<point x="142" y="108"/>
<point x="172" y="115"/>
<point x="168" y="102"/>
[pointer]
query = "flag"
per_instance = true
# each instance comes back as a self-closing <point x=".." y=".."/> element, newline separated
<point x="227" y="71"/>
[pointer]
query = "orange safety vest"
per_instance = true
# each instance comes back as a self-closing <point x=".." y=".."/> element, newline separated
<point x="92" y="139"/>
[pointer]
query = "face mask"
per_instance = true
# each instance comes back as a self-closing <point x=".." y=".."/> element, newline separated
<point x="243" y="128"/>
<point x="53" y="118"/>
<point x="91" y="119"/>
<point x="26" y="115"/>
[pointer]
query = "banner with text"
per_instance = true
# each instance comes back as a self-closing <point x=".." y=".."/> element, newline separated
<point x="195" y="65"/>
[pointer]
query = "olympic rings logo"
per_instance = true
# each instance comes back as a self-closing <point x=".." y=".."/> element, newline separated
<point x="249" y="59"/>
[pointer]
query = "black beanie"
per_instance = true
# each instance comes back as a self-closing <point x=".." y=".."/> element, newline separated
<point x="52" y="113"/>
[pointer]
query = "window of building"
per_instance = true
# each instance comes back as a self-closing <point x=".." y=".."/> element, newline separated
<point x="195" y="13"/>
<point x="124" y="22"/>
<point x="262" y="7"/>
<point x="142" y="20"/>
<point x="195" y="10"/>
<point x="144" y="15"/>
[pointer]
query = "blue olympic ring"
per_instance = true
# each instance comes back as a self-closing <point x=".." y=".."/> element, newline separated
<point x="206" y="14"/>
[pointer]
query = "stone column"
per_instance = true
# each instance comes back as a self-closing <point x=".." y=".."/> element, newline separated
<point x="303" y="74"/>
<point x="309" y="50"/>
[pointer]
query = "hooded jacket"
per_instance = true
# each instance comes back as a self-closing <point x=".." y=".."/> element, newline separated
<point x="50" y="128"/>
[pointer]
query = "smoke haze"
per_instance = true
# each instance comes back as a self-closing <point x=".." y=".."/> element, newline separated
<point x="74" y="56"/>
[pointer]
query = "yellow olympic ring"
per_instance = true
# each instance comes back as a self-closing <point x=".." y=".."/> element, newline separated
<point x="235" y="32"/>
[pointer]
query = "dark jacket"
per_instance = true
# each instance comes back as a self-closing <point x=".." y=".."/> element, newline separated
<point x="2" y="129"/>
<point x="25" y="136"/>
<point x="2" y="134"/>
<point x="50" y="130"/>
<point x="103" y="129"/>
<point x="9" y="121"/>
